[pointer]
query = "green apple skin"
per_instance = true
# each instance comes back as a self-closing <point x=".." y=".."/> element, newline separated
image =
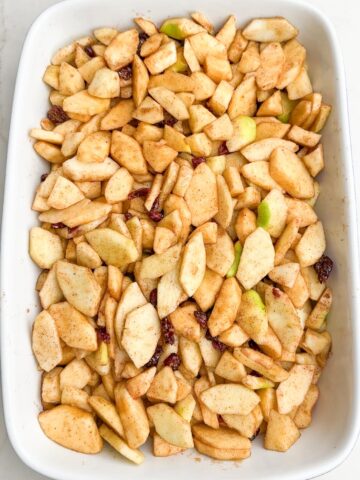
<point x="172" y="29"/>
<point x="234" y="267"/>
<point x="180" y="65"/>
<point x="264" y="214"/>
<point x="244" y="133"/>
<point x="288" y="106"/>
<point x="254" y="298"/>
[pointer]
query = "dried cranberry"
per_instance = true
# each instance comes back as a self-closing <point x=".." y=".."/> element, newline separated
<point x="153" y="297"/>
<point x="57" y="115"/>
<point x="323" y="268"/>
<point x="102" y="335"/>
<point x="89" y="51"/>
<point x="128" y="215"/>
<point x="253" y="345"/>
<point x="154" y="360"/>
<point x="142" y="37"/>
<point x="215" y="342"/>
<point x="72" y="230"/>
<point x="140" y="192"/>
<point x="57" y="225"/>
<point x="156" y="216"/>
<point x="44" y="177"/>
<point x="134" y="122"/>
<point x="131" y="276"/>
<point x="155" y="213"/>
<point x="168" y="331"/>
<point x="223" y="150"/>
<point x="125" y="73"/>
<point x="173" y="361"/>
<point x="221" y="421"/>
<point x="168" y="120"/>
<point x="197" y="160"/>
<point x="201" y="317"/>
<point x="276" y="292"/>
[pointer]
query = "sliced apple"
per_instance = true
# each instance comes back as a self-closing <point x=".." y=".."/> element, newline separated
<point x="230" y="398"/>
<point x="257" y="258"/>
<point x="79" y="287"/>
<point x="72" y="428"/>
<point x="272" y="213"/>
<point x="73" y="327"/>
<point x="171" y="426"/>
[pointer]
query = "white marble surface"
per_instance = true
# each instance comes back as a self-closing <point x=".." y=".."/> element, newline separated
<point x="15" y="18"/>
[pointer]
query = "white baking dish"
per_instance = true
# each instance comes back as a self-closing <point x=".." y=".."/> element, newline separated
<point x="336" y="421"/>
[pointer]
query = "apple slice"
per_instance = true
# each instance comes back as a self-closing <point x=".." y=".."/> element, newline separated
<point x="158" y="264"/>
<point x="221" y="438"/>
<point x="220" y="453"/>
<point x="169" y="292"/>
<point x="161" y="448"/>
<point x="257" y="258"/>
<point x="246" y="425"/>
<point x="193" y="264"/>
<point x="272" y="213"/>
<point x="185" y="323"/>
<point x="140" y="384"/>
<point x="127" y="152"/>
<point x="122" y="49"/>
<point x="180" y="28"/>
<point x="244" y="132"/>
<point x="230" y="368"/>
<point x="205" y="295"/>
<point x="133" y="417"/>
<point x="50" y="291"/>
<point x="230" y="398"/>
<point x="287" y="170"/>
<point x="276" y="29"/>
<point x="46" y="342"/>
<point x="45" y="248"/>
<point x="260" y="363"/>
<point x="283" y="318"/>
<point x="201" y="196"/>
<point x="252" y="316"/>
<point x="79" y="287"/>
<point x="73" y="327"/>
<point x="170" y="102"/>
<point x="171" y="426"/>
<point x="113" y="247"/>
<point x="141" y="334"/>
<point x="262" y="149"/>
<point x="285" y="274"/>
<point x="106" y="411"/>
<point x="311" y="245"/>
<point x="291" y="392"/>
<point x="72" y="428"/>
<point x="281" y="432"/>
<point x="164" y="387"/>
<point x="226" y="307"/>
<point x="302" y="417"/>
<point x="131" y="298"/>
<point x="220" y="255"/>
<point x="119" y="445"/>
<point x="185" y="407"/>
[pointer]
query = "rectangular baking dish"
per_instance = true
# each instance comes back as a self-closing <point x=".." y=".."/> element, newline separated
<point x="336" y="420"/>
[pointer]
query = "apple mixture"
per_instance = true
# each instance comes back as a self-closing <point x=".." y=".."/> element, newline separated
<point x="183" y="267"/>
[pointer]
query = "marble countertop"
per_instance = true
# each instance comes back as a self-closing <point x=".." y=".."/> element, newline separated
<point x="15" y="18"/>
